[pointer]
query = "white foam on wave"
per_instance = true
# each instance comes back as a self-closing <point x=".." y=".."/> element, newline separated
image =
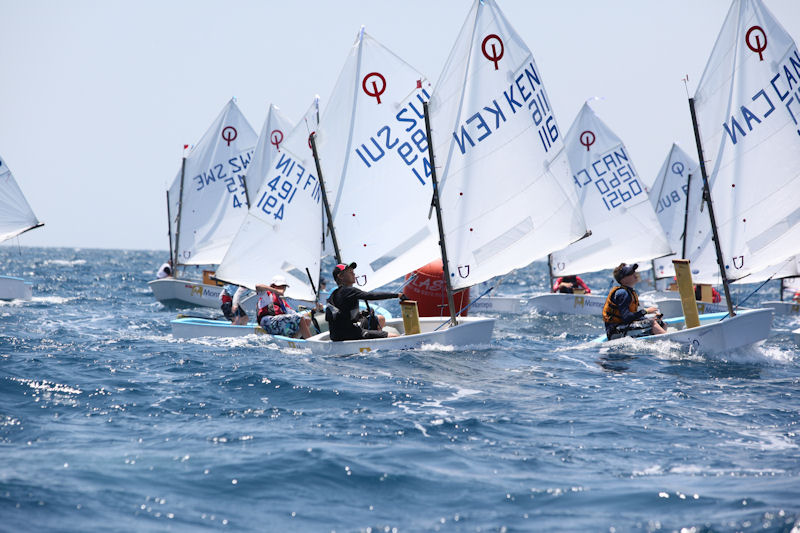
<point x="64" y="262"/>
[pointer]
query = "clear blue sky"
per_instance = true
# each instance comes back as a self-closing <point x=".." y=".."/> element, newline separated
<point x="98" y="97"/>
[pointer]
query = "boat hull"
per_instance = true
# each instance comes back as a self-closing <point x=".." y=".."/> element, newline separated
<point x="783" y="308"/>
<point x="498" y="304"/>
<point x="470" y="331"/>
<point x="672" y="308"/>
<point x="796" y="334"/>
<point x="717" y="332"/>
<point x="12" y="288"/>
<point x="571" y="304"/>
<point x="174" y="292"/>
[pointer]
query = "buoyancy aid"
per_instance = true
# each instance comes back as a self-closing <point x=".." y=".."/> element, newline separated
<point x="270" y="304"/>
<point x="611" y="312"/>
<point x="226" y="295"/>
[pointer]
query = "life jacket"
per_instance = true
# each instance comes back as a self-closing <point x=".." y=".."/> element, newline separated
<point x="270" y="304"/>
<point x="611" y="311"/>
<point x="226" y="295"/>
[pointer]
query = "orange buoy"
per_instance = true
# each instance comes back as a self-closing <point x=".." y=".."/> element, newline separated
<point x="430" y="293"/>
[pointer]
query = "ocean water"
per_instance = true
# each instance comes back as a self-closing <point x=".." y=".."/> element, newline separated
<point x="107" y="423"/>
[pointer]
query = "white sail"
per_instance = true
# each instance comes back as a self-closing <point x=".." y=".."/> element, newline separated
<point x="16" y="216"/>
<point x="613" y="199"/>
<point x="281" y="233"/>
<point x="506" y="189"/>
<point x="748" y="112"/>
<point x="207" y="215"/>
<point x="274" y="132"/>
<point x="678" y="178"/>
<point x="373" y="153"/>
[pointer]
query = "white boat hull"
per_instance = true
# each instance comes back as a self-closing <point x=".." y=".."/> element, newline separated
<point x="671" y="307"/>
<point x="470" y="331"/>
<point x="174" y="292"/>
<point x="783" y="308"/>
<point x="498" y="304"/>
<point x="716" y="333"/>
<point x="571" y="304"/>
<point x="12" y="288"/>
<point x="796" y="334"/>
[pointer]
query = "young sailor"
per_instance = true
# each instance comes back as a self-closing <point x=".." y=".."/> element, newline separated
<point x="344" y="319"/>
<point x="275" y="314"/>
<point x="568" y="284"/>
<point x="165" y="270"/>
<point x="621" y="313"/>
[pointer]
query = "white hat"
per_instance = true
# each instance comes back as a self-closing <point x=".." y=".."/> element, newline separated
<point x="278" y="281"/>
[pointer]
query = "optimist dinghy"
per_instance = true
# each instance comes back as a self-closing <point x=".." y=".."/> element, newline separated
<point x="206" y="204"/>
<point x="17" y="218"/>
<point x="749" y="237"/>
<point x="717" y="332"/>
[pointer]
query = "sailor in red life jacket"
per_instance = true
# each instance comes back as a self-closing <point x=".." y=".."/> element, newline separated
<point x="568" y="284"/>
<point x="621" y="314"/>
<point x="275" y="314"/>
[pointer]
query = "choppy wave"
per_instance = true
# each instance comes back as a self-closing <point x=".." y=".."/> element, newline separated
<point x="108" y="421"/>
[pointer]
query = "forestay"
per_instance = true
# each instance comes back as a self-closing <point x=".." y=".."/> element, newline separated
<point x="16" y="216"/>
<point x="613" y="199"/>
<point x="748" y="107"/>
<point x="678" y="178"/>
<point x="506" y="191"/>
<point x="282" y="231"/>
<point x="206" y="217"/>
<point x="373" y="154"/>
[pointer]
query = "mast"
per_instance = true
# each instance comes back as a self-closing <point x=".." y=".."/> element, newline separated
<point x="169" y="231"/>
<point x="178" y="221"/>
<point x="312" y="138"/>
<point x="437" y="206"/>
<point x="686" y="214"/>
<point x="550" y="270"/>
<point x="707" y="198"/>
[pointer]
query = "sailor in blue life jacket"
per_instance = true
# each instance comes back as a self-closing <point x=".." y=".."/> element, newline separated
<point x="621" y="313"/>
<point x="345" y="321"/>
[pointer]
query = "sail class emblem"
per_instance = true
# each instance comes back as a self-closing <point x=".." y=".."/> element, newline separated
<point x="678" y="168"/>
<point x="374" y="77"/>
<point x="560" y="266"/>
<point x="587" y="139"/>
<point x="361" y="280"/>
<point x="494" y="41"/>
<point x="753" y="40"/>
<point x="229" y="134"/>
<point x="738" y="262"/>
<point x="463" y="271"/>
<point x="276" y="138"/>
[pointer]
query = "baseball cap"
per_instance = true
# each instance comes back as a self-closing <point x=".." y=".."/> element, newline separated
<point x="624" y="270"/>
<point x="338" y="269"/>
<point x="278" y="281"/>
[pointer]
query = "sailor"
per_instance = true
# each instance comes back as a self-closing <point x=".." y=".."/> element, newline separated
<point x="621" y="313"/>
<point x="568" y="284"/>
<point x="345" y="321"/>
<point x="231" y="298"/>
<point x="165" y="270"/>
<point x="275" y="314"/>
